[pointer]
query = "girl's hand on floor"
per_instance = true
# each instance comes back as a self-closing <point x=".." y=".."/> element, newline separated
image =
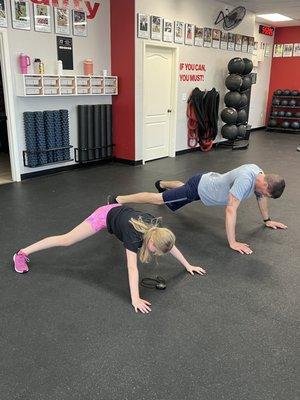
<point x="142" y="306"/>
<point x="191" y="269"/>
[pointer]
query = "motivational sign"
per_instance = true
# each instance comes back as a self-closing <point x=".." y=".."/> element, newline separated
<point x="192" y="72"/>
<point x="91" y="9"/>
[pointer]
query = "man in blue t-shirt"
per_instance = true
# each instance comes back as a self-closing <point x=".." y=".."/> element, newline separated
<point x="215" y="189"/>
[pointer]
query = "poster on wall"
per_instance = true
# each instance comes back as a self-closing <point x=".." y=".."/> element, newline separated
<point x="224" y="40"/>
<point x="250" y="44"/>
<point x="42" y="18"/>
<point x="255" y="48"/>
<point x="216" y="37"/>
<point x="278" y="50"/>
<point x="65" y="51"/>
<point x="3" y="16"/>
<point x="156" y="27"/>
<point x="245" y="44"/>
<point x="231" y="41"/>
<point x="168" y="31"/>
<point x="189" y="34"/>
<point x="62" y="21"/>
<point x="178" y="32"/>
<point x="238" y="42"/>
<point x="207" y="37"/>
<point x="79" y="23"/>
<point x="267" y="50"/>
<point x="198" y="36"/>
<point x="288" y="50"/>
<point x="20" y="14"/>
<point x="143" y="26"/>
<point x="296" y="52"/>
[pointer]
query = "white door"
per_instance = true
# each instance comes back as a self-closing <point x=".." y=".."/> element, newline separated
<point x="158" y="71"/>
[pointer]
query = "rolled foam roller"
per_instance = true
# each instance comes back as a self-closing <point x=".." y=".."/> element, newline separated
<point x="90" y="132"/>
<point x="82" y="132"/>
<point x="109" y="129"/>
<point x="58" y="135"/>
<point x="103" y="131"/>
<point x="50" y="134"/>
<point x="97" y="130"/>
<point x="40" y="137"/>
<point x="30" y="138"/>
<point x="64" y="119"/>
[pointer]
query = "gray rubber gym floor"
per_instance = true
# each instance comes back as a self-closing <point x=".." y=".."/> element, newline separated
<point x="68" y="330"/>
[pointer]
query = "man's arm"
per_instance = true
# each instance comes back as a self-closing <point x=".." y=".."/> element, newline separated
<point x="133" y="276"/>
<point x="263" y="208"/>
<point x="190" y="268"/>
<point x="230" y="222"/>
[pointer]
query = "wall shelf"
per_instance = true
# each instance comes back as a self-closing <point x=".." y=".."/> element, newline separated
<point x="34" y="85"/>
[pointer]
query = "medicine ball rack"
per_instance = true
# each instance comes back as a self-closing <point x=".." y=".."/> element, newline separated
<point x="38" y="153"/>
<point x="282" y="117"/>
<point x="80" y="151"/>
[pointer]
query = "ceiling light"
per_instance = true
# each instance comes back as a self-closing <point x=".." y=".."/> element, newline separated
<point x="275" y="17"/>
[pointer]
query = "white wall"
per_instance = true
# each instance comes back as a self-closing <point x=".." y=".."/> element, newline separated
<point x="202" y="13"/>
<point x="43" y="45"/>
<point x="259" y="93"/>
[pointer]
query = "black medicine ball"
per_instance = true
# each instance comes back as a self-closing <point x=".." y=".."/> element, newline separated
<point x="297" y="114"/>
<point x="232" y="99"/>
<point x="284" y="102"/>
<point x="281" y="114"/>
<point x="273" y="122"/>
<point x="241" y="117"/>
<point x="295" y="125"/>
<point x="288" y="114"/>
<point x="248" y="66"/>
<point x="292" y="103"/>
<point x="233" y="82"/>
<point x="244" y="100"/>
<point x="285" y="124"/>
<point x="247" y="82"/>
<point x="229" y="131"/>
<point x="294" y="93"/>
<point x="278" y="92"/>
<point x="236" y="66"/>
<point x="229" y="115"/>
<point x="276" y="102"/>
<point x="274" y="113"/>
<point x="242" y="131"/>
<point x="286" y="92"/>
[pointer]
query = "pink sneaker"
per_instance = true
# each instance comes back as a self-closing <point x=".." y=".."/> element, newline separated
<point x="20" y="262"/>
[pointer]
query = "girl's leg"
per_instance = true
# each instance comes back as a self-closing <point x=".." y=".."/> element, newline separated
<point x="82" y="231"/>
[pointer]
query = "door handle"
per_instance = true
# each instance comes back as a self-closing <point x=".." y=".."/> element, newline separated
<point x="169" y="111"/>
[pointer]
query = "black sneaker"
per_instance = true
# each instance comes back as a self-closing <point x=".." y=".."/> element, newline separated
<point x="111" y="199"/>
<point x="158" y="187"/>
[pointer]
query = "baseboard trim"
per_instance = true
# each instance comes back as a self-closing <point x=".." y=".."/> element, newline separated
<point x="64" y="169"/>
<point x="128" y="162"/>
<point x="181" y="152"/>
<point x="258" y="128"/>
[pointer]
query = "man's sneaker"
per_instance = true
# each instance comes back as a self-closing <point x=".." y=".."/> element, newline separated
<point x="158" y="187"/>
<point x="111" y="199"/>
<point x="20" y="262"/>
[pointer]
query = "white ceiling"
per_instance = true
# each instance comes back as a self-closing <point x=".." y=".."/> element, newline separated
<point x="290" y="8"/>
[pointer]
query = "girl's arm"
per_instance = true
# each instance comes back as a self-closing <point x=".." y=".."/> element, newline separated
<point x="190" y="268"/>
<point x="133" y="276"/>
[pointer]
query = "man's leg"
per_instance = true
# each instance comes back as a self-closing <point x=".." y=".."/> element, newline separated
<point x="170" y="184"/>
<point x="144" y="197"/>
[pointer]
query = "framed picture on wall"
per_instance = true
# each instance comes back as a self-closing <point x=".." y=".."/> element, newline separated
<point x="238" y="42"/>
<point x="79" y="23"/>
<point x="267" y="50"/>
<point x="62" y="21"/>
<point x="143" y="26"/>
<point x="288" y="50"/>
<point x="189" y="34"/>
<point x="224" y="40"/>
<point x="278" y="50"/>
<point x="178" y="32"/>
<point x="296" y="51"/>
<point x="156" y="27"/>
<point x="245" y="44"/>
<point x="216" y="37"/>
<point x="168" y="31"/>
<point x="3" y="14"/>
<point x="250" y="44"/>
<point x="231" y="41"/>
<point x="198" y="36"/>
<point x="207" y="37"/>
<point x="20" y="14"/>
<point x="42" y="18"/>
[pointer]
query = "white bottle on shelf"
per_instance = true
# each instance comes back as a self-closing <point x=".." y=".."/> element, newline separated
<point x="59" y="67"/>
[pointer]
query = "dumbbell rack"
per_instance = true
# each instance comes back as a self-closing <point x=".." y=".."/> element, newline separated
<point x="280" y="128"/>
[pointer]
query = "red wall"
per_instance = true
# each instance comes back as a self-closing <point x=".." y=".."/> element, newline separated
<point x="285" y="71"/>
<point x="122" y="16"/>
